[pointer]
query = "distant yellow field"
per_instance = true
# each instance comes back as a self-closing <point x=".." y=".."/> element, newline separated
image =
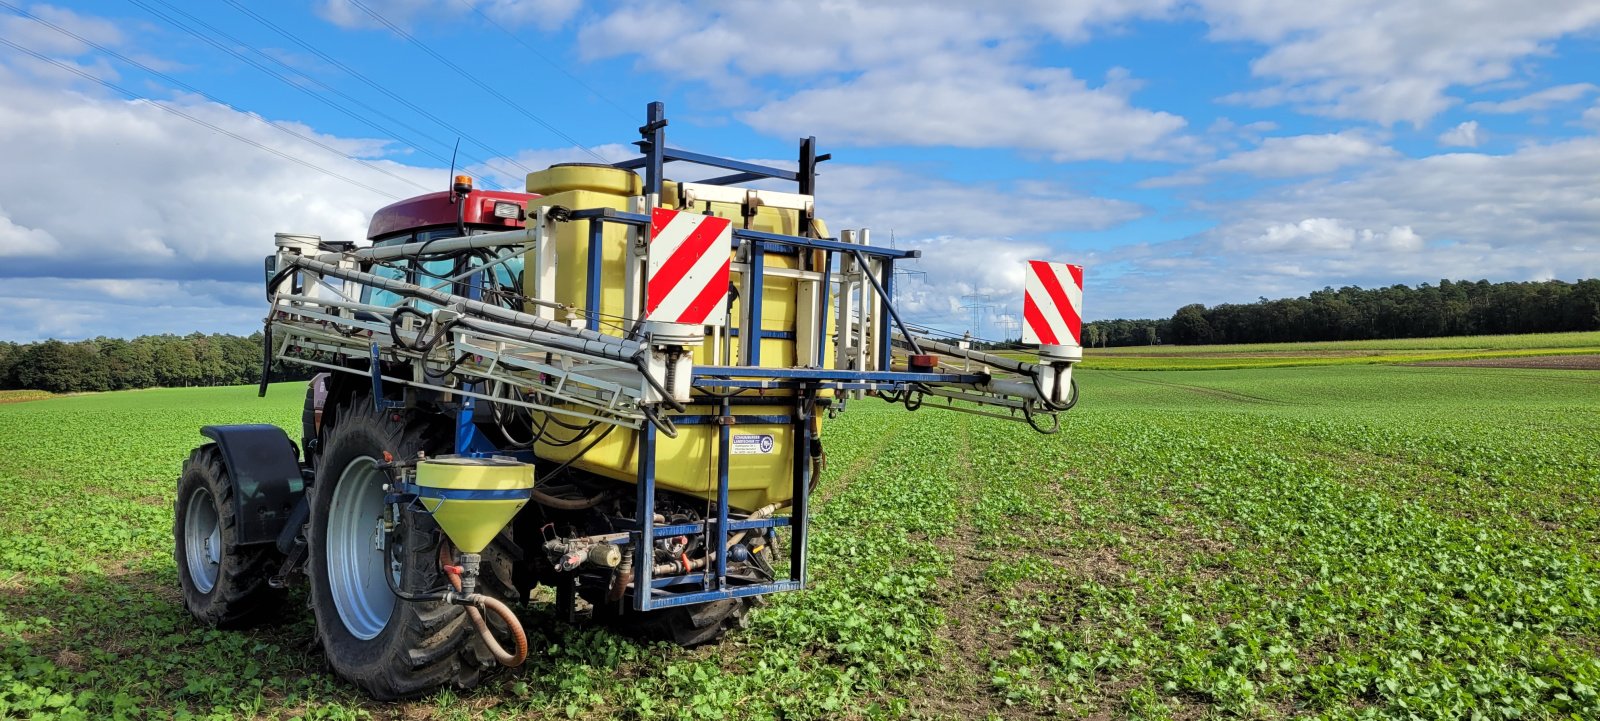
<point x="20" y="396"/>
<point x="1589" y="339"/>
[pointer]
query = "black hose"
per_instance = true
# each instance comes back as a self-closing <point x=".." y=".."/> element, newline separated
<point x="581" y="453"/>
<point x="424" y="344"/>
<point x="408" y="596"/>
<point x="643" y="365"/>
<point x="266" y="357"/>
<point x="1055" y="427"/>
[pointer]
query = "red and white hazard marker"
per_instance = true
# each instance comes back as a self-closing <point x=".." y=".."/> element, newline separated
<point x="1052" y="304"/>
<point x="688" y="268"/>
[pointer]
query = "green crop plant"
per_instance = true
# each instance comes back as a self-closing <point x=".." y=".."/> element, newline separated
<point x="1333" y="542"/>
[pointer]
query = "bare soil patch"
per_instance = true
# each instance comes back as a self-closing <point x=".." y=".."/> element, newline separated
<point x="970" y="638"/>
<point x="1547" y="362"/>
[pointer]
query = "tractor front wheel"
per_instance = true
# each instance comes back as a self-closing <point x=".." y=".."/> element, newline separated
<point x="224" y="584"/>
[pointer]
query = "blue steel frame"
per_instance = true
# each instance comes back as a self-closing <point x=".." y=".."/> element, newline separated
<point x="713" y="584"/>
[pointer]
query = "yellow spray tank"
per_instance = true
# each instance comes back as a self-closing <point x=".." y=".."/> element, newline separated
<point x="762" y="459"/>
<point x="473" y="498"/>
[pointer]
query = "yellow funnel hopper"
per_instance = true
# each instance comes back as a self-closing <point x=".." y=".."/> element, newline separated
<point x="473" y="498"/>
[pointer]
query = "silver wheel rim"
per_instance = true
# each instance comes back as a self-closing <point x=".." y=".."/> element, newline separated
<point x="202" y="540"/>
<point x="356" y="561"/>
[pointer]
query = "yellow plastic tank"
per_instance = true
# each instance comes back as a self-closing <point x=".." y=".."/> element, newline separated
<point x="762" y="462"/>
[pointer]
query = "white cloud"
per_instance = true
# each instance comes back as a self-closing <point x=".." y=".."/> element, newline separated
<point x="914" y="205"/>
<point x="1532" y="214"/>
<point x="1327" y="234"/>
<point x="900" y="72"/>
<point x="1537" y="101"/>
<point x="144" y="193"/>
<point x="18" y="241"/>
<point x="1591" y="117"/>
<point x="1466" y="135"/>
<point x="1286" y="157"/>
<point x="1303" y="155"/>
<point x="973" y="104"/>
<point x="712" y="40"/>
<point x="1389" y="60"/>
<point x="547" y="14"/>
<point x="931" y="69"/>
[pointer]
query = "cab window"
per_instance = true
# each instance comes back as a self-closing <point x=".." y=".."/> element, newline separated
<point x="431" y="273"/>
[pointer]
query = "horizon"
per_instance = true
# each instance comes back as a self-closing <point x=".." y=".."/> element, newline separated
<point x="1150" y="319"/>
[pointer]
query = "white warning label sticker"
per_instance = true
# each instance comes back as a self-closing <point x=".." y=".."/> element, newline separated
<point x="752" y="443"/>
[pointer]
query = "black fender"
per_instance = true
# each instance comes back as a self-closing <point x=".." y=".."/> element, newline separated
<point x="268" y="485"/>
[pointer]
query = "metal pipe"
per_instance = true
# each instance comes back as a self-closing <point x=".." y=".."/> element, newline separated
<point x="442" y="298"/>
<point x="988" y="359"/>
<point x="442" y="245"/>
<point x="335" y="303"/>
<point x="1020" y="389"/>
<point x="618" y="349"/>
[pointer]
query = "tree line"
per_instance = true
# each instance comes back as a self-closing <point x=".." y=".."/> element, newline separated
<point x="1354" y="313"/>
<point x="108" y="364"/>
<point x="1349" y="313"/>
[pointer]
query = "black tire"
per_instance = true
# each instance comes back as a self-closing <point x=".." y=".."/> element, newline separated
<point x="686" y="626"/>
<point x="238" y="595"/>
<point x="421" y="646"/>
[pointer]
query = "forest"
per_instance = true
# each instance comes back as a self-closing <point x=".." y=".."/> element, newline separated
<point x="1451" y="308"/>
<point x="105" y="364"/>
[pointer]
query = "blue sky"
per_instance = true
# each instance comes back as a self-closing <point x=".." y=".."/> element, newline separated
<point x="1183" y="150"/>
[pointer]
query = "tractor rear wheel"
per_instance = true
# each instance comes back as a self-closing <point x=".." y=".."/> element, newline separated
<point x="224" y="584"/>
<point x="390" y="648"/>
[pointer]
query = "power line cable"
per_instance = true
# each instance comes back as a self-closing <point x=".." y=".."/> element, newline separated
<point x="308" y="79"/>
<point x="201" y="93"/>
<point x="474" y="80"/>
<point x="197" y="121"/>
<point x="375" y="85"/>
<point x="546" y="58"/>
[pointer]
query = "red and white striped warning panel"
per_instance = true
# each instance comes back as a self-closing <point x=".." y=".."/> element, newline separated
<point x="688" y="268"/>
<point x="1052" y="304"/>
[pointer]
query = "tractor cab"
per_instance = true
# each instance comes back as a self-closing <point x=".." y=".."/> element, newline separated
<point x="452" y="213"/>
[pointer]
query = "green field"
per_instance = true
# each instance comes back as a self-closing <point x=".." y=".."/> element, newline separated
<point x="1372" y="541"/>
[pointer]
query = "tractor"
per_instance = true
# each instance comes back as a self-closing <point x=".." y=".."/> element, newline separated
<point x="612" y="385"/>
